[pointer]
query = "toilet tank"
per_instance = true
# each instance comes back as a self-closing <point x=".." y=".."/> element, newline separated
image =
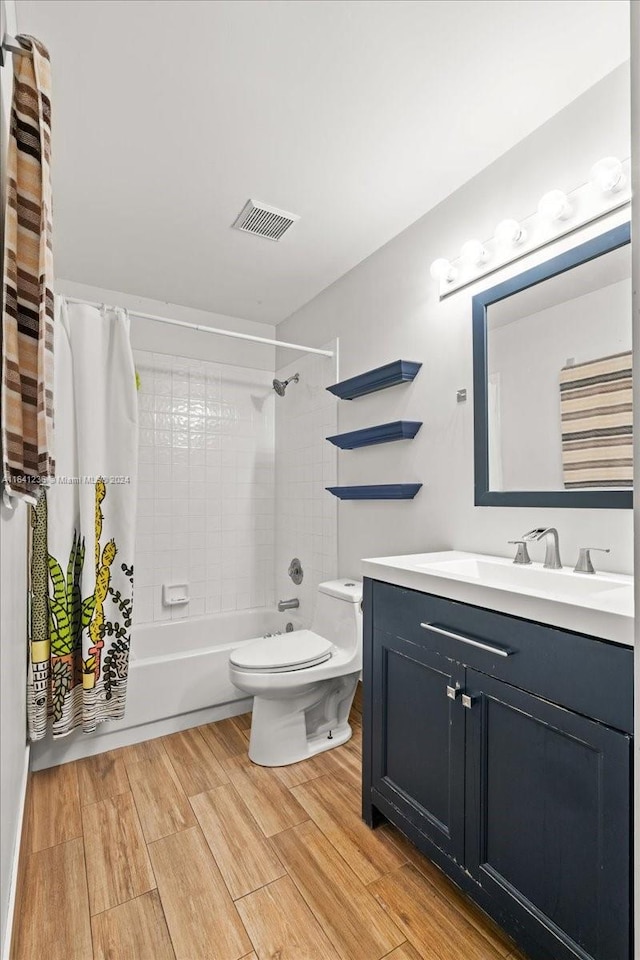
<point x="338" y="614"/>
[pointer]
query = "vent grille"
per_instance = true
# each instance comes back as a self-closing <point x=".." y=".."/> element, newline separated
<point x="264" y="221"/>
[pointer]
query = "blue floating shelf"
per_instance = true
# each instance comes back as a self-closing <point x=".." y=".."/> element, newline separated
<point x="379" y="491"/>
<point x="400" y="371"/>
<point x="383" y="433"/>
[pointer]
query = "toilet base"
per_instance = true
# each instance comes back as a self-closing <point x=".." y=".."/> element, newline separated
<point x="291" y="730"/>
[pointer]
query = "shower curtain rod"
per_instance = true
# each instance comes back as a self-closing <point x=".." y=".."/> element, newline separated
<point x="217" y="330"/>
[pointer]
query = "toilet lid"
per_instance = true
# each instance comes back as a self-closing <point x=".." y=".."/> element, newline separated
<point x="289" y="651"/>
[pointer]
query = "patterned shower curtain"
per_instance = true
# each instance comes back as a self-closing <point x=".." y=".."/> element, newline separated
<point x="83" y="529"/>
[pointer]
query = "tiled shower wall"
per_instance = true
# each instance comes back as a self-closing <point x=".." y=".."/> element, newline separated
<point x="306" y="515"/>
<point x="206" y="497"/>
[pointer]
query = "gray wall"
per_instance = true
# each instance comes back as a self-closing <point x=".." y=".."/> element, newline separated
<point x="387" y="307"/>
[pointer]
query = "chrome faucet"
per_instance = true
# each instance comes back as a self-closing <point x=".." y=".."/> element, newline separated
<point x="522" y="554"/>
<point x="288" y="604"/>
<point x="584" y="564"/>
<point x="552" y="545"/>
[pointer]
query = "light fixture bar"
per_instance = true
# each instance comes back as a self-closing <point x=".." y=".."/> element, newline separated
<point x="558" y="215"/>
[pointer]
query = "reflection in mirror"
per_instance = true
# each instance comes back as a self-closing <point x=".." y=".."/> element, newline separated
<point x="552" y="381"/>
<point x="559" y="381"/>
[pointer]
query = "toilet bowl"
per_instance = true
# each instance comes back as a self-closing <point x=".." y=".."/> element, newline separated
<point x="303" y="683"/>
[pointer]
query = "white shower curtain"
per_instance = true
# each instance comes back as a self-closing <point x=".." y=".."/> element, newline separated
<point x="84" y="528"/>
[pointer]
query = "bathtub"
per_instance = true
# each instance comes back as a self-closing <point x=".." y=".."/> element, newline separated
<point x="182" y="665"/>
<point x="178" y="678"/>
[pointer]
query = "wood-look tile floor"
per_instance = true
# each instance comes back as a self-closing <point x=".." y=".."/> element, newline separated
<point x="181" y="849"/>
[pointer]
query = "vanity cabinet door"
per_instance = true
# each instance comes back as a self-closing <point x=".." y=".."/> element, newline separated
<point x="417" y="756"/>
<point x="548" y="819"/>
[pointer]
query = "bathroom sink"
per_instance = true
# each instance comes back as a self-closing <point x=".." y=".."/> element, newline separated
<point x="499" y="572"/>
<point x="599" y="604"/>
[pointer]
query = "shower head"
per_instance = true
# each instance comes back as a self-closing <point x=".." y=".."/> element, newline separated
<point x="281" y="385"/>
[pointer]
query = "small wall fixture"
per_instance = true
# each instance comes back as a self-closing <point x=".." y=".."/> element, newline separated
<point x="554" y="205"/>
<point x="473" y="253"/>
<point x="442" y="269"/>
<point x="607" y="175"/>
<point x="509" y="233"/>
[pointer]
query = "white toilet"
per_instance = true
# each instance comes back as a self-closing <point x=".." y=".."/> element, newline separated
<point x="303" y="682"/>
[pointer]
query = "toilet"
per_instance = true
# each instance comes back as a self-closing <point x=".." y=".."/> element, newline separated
<point x="303" y="683"/>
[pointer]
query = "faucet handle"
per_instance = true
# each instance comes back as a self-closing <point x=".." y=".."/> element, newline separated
<point x="522" y="554"/>
<point x="584" y="564"/>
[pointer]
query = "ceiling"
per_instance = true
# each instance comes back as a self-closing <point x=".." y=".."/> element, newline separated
<point x="358" y="116"/>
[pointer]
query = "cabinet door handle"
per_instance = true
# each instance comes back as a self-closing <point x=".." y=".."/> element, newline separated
<point x="498" y="651"/>
<point x="467" y="701"/>
<point x="452" y="692"/>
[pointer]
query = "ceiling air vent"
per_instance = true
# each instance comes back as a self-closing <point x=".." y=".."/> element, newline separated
<point x="264" y="221"/>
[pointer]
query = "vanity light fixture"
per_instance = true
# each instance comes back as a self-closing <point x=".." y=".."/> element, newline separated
<point x="606" y="193"/>
<point x="509" y="233"/>
<point x="474" y="253"/>
<point x="554" y="205"/>
<point x="442" y="269"/>
<point x="607" y="175"/>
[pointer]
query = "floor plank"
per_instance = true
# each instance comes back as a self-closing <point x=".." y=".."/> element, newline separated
<point x="193" y="761"/>
<point x="55" y="806"/>
<point x="53" y="920"/>
<point x="224" y="739"/>
<point x="431" y="924"/>
<point x="146" y="750"/>
<point x="282" y="926"/>
<point x="297" y="773"/>
<point x="335" y="808"/>
<point x="449" y="891"/>
<point x="404" y="952"/>
<point x="135" y="930"/>
<point x="245" y="857"/>
<point x="269" y="801"/>
<point x="243" y="721"/>
<point x="345" y="764"/>
<point x="162" y="805"/>
<point x="102" y="776"/>
<point x="202" y="919"/>
<point x="353" y="921"/>
<point x="118" y="865"/>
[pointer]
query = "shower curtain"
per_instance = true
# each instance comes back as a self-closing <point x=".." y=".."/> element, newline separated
<point x="83" y="529"/>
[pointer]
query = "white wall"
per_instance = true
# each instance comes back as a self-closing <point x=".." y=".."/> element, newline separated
<point x="13" y="626"/>
<point x="387" y="307"/>
<point x="306" y="515"/>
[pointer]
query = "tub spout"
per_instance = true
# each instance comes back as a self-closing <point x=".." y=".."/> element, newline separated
<point x="288" y="604"/>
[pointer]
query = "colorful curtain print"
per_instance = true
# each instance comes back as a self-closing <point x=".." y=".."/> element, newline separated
<point x="83" y="530"/>
<point x="597" y="423"/>
<point x="27" y="318"/>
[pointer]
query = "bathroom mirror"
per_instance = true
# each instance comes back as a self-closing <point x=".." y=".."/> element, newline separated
<point x="552" y="381"/>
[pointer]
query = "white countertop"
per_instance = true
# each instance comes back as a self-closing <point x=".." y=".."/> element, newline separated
<point x="599" y="605"/>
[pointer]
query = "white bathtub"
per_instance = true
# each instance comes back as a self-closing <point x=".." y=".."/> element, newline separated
<point x="178" y="678"/>
<point x="182" y="665"/>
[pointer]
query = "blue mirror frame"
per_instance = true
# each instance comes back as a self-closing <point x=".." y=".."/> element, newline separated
<point x="484" y="496"/>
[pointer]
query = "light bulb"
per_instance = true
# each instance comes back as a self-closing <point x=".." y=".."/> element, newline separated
<point x="554" y="206"/>
<point x="473" y="253"/>
<point x="607" y="175"/>
<point x="442" y="269"/>
<point x="509" y="233"/>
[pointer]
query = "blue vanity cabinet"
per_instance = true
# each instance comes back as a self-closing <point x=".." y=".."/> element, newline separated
<point x="418" y="750"/>
<point x="502" y="749"/>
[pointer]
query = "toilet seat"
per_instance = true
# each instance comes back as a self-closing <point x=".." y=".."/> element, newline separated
<point x="289" y="651"/>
